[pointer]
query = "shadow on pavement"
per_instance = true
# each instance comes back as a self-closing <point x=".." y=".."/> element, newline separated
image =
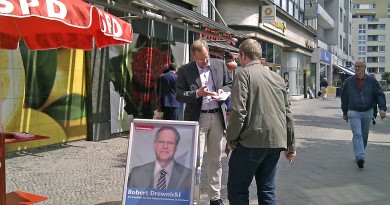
<point x="110" y="203"/>
<point x="325" y="172"/>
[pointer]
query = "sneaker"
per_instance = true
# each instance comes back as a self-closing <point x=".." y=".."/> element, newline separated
<point x="360" y="163"/>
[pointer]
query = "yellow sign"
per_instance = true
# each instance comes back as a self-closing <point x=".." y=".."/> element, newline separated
<point x="279" y="25"/>
<point x="268" y="11"/>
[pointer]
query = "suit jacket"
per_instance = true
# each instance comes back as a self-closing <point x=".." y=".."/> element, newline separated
<point x="260" y="115"/>
<point x="189" y="81"/>
<point x="142" y="177"/>
<point x="167" y="86"/>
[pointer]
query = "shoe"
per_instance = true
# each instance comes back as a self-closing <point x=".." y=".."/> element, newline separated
<point x="373" y="121"/>
<point x="216" y="202"/>
<point x="360" y="163"/>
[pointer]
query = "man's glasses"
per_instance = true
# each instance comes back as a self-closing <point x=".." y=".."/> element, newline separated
<point x="163" y="143"/>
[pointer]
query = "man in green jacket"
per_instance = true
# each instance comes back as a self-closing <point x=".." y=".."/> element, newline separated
<point x="260" y="127"/>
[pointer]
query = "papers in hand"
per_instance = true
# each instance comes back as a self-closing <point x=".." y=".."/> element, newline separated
<point x="221" y="97"/>
<point x="21" y="135"/>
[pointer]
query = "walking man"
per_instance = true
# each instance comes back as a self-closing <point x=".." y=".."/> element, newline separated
<point x="360" y="93"/>
<point x="197" y="82"/>
<point x="260" y="127"/>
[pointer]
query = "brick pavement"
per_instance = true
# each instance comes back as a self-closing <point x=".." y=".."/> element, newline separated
<point x="324" y="171"/>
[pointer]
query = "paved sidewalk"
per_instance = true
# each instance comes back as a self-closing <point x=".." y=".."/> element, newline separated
<point x="324" y="171"/>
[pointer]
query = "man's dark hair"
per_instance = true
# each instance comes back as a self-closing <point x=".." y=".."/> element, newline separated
<point x="177" y="135"/>
<point x="172" y="67"/>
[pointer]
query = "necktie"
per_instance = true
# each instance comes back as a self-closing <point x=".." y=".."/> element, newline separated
<point x="162" y="182"/>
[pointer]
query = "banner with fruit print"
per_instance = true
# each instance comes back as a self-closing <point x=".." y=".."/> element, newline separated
<point x="43" y="93"/>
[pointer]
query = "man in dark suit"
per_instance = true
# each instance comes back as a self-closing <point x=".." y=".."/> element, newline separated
<point x="197" y="82"/>
<point x="166" y="86"/>
<point x="165" y="172"/>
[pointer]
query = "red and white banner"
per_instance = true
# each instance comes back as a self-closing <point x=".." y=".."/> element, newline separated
<point x="45" y="24"/>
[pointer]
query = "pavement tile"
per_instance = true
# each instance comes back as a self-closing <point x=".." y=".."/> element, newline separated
<point x="324" y="172"/>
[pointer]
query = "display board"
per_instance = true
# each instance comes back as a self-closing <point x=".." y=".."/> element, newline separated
<point x="161" y="162"/>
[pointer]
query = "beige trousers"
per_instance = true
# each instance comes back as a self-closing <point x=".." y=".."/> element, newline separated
<point x="211" y="135"/>
<point x="324" y="91"/>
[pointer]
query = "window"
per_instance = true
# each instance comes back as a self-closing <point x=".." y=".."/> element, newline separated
<point x="341" y="41"/>
<point x="296" y="12"/>
<point x="388" y="10"/>
<point x="284" y="4"/>
<point x="277" y="2"/>
<point x="372" y="48"/>
<point x="381" y="49"/>
<point x="372" y="69"/>
<point x="382" y="26"/>
<point x="364" y="6"/>
<point x="291" y="7"/>
<point x="381" y="70"/>
<point x="362" y="48"/>
<point x="381" y="59"/>
<point x="372" y="26"/>
<point x="381" y="38"/>
<point x="341" y="15"/>
<point x="350" y="50"/>
<point x="350" y="28"/>
<point x="372" y="59"/>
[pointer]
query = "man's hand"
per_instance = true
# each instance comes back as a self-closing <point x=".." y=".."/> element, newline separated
<point x="220" y="91"/>
<point x="382" y="113"/>
<point x="204" y="91"/>
<point x="290" y="155"/>
<point x="345" y="117"/>
<point x="229" y="148"/>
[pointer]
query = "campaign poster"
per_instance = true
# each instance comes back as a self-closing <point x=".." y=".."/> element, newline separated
<point x="161" y="162"/>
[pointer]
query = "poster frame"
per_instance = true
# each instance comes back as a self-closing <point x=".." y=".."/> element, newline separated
<point x="194" y="126"/>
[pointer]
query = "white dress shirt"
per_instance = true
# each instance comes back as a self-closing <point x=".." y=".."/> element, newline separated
<point x="206" y="78"/>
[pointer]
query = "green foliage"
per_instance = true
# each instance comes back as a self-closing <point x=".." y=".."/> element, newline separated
<point x="386" y="77"/>
<point x="40" y="68"/>
<point x="70" y="107"/>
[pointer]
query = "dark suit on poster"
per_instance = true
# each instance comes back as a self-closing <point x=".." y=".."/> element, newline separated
<point x="189" y="81"/>
<point x="167" y="88"/>
<point x="142" y="177"/>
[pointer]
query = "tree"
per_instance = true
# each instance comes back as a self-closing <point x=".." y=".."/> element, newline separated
<point x="386" y="77"/>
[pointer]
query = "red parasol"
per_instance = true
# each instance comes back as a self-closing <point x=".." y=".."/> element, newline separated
<point x="46" y="24"/>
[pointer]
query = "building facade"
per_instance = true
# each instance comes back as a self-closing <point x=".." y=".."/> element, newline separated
<point x="371" y="19"/>
<point x="334" y="51"/>
<point x="287" y="42"/>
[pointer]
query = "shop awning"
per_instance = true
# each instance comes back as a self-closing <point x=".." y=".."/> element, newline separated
<point x="345" y="69"/>
<point x="176" y="11"/>
<point x="222" y="46"/>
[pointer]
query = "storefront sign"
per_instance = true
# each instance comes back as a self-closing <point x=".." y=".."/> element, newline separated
<point x="278" y="25"/>
<point x="268" y="14"/>
<point x="325" y="56"/>
<point x="348" y="64"/>
<point x="310" y="44"/>
<point x="217" y="33"/>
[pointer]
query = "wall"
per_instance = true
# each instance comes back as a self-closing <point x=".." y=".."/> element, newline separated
<point x="43" y="94"/>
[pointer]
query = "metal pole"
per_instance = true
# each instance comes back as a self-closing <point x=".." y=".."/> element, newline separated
<point x="216" y="10"/>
